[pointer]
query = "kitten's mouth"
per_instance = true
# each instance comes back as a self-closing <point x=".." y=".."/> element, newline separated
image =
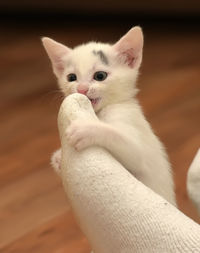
<point x="94" y="101"/>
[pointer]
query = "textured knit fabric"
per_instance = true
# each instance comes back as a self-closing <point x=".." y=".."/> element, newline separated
<point x="193" y="181"/>
<point x="117" y="213"/>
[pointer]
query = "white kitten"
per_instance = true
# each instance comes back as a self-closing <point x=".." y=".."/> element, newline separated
<point x="107" y="75"/>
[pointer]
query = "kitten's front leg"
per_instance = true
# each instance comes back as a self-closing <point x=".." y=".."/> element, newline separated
<point x="82" y="134"/>
<point x="123" y="145"/>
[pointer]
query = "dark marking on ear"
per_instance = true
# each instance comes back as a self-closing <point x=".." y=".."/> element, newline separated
<point x="101" y="55"/>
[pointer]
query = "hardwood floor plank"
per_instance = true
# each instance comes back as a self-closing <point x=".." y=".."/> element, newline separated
<point x="31" y="137"/>
<point x="29" y="202"/>
<point x="59" y="235"/>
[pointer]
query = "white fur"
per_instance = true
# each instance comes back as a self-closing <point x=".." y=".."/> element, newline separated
<point x="121" y="127"/>
<point x="119" y="85"/>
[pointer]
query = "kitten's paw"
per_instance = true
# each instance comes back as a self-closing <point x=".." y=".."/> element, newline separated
<point x="56" y="161"/>
<point x="81" y="134"/>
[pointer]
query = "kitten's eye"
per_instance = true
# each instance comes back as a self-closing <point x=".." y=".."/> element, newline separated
<point x="100" y="76"/>
<point x="71" y="77"/>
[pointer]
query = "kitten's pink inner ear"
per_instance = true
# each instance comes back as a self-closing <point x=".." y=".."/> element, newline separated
<point x="130" y="46"/>
<point x="56" y="52"/>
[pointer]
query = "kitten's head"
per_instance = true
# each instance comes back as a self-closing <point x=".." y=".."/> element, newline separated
<point x="105" y="73"/>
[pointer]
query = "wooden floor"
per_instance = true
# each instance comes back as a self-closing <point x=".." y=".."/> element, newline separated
<point x="34" y="213"/>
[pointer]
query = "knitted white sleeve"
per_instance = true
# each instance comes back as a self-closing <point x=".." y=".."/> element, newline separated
<point x="193" y="181"/>
<point x="117" y="213"/>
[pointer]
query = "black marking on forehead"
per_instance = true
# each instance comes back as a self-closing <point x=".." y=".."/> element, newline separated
<point x="101" y="55"/>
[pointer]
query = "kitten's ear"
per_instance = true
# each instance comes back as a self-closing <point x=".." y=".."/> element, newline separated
<point x="57" y="53"/>
<point x="130" y="46"/>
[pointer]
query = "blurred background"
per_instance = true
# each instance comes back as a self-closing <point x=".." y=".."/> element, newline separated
<point x="34" y="213"/>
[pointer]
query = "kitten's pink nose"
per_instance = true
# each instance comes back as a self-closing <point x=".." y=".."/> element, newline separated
<point x="83" y="89"/>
